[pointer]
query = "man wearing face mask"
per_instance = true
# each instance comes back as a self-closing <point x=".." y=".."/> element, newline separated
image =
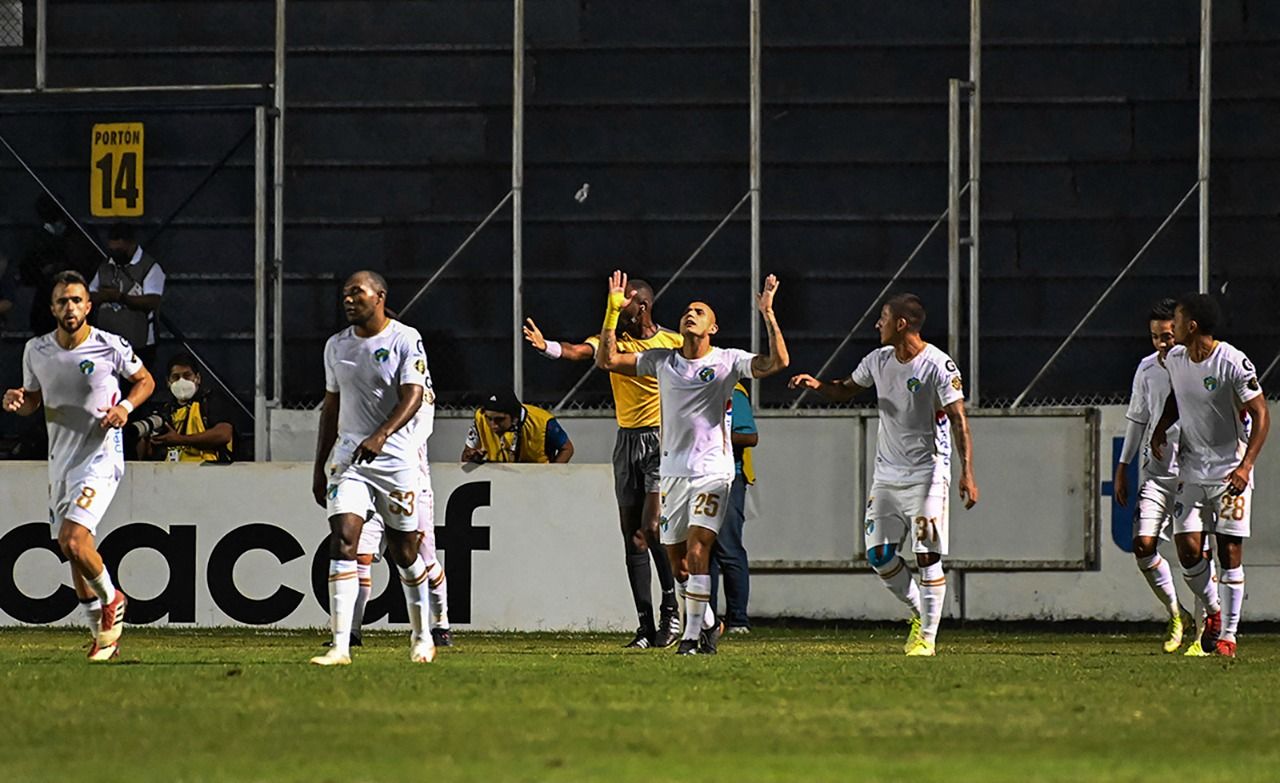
<point x="191" y="432"/>
<point x="127" y="291"/>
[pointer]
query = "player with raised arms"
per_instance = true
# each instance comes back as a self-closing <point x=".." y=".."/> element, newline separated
<point x="696" y="386"/>
<point x="921" y="401"/>
<point x="72" y="372"/>
<point x="1158" y="478"/>
<point x="1223" y="420"/>
<point x="636" y="453"/>
<point x="367" y="456"/>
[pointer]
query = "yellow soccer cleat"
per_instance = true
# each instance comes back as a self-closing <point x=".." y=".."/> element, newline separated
<point x="923" y="648"/>
<point x="913" y="635"/>
<point x="332" y="658"/>
<point x="1194" y="650"/>
<point x="1173" y="634"/>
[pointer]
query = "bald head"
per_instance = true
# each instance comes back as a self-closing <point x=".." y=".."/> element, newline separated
<point x="698" y="320"/>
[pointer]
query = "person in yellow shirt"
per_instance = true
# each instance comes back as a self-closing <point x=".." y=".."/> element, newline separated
<point x="505" y="430"/>
<point x="636" y="454"/>
<point x="191" y="431"/>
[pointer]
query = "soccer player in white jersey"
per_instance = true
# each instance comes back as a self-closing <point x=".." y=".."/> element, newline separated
<point x="367" y="456"/>
<point x="921" y="401"/>
<point x="1218" y="404"/>
<point x="373" y="544"/>
<point x="1158" y="478"/>
<point x="72" y="371"/>
<point x="695" y="384"/>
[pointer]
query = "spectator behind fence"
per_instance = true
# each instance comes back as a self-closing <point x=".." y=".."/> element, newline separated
<point x="188" y="429"/>
<point x="504" y="430"/>
<point x="127" y="291"/>
<point x="54" y="247"/>
<point x="6" y="292"/>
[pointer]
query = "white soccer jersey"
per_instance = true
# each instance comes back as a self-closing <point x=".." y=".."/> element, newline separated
<point x="74" y="384"/>
<point x="1214" y="431"/>
<point x="910" y="397"/>
<point x="1146" y="404"/>
<point x="367" y="372"/>
<point x="696" y="408"/>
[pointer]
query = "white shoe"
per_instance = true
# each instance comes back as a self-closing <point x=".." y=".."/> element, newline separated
<point x="423" y="651"/>
<point x="332" y="657"/>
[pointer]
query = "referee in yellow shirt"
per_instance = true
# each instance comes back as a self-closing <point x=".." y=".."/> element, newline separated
<point x="636" y="455"/>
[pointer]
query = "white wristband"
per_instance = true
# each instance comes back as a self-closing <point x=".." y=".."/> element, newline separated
<point x="128" y="406"/>
<point x="553" y="350"/>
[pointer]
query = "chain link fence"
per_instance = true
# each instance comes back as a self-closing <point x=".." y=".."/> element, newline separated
<point x="11" y="23"/>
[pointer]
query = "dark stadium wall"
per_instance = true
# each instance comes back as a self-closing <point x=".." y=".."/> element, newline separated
<point x="398" y="142"/>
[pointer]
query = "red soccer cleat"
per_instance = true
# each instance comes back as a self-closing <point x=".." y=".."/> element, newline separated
<point x="98" y="654"/>
<point x="1212" y="630"/>
<point x="112" y="622"/>
<point x="1225" y="648"/>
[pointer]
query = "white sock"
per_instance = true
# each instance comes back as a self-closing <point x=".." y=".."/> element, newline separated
<point x="697" y="595"/>
<point x="933" y="592"/>
<point x="364" y="577"/>
<point x="344" y="586"/>
<point x="92" y="608"/>
<point x="898" y="580"/>
<point x="1199" y="578"/>
<point x="1158" y="574"/>
<point x="102" y="586"/>
<point x="1233" y="581"/>
<point x="439" y="589"/>
<point x="414" y="581"/>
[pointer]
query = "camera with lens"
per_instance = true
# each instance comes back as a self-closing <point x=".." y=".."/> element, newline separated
<point x="149" y="426"/>
<point x="478" y="458"/>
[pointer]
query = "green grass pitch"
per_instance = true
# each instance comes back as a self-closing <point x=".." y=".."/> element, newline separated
<point x="784" y="705"/>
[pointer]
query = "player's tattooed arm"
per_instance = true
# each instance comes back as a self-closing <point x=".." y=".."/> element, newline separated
<point x="608" y="357"/>
<point x="410" y="400"/>
<point x="840" y="390"/>
<point x="23" y="402"/>
<point x="777" y="358"/>
<point x="555" y="349"/>
<point x="1261" y="424"/>
<point x="324" y="444"/>
<point x="1159" y="434"/>
<point x="964" y="447"/>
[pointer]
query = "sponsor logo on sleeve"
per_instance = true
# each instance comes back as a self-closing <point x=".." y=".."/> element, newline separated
<point x="1248" y="365"/>
<point x="951" y="366"/>
<point x="1252" y="383"/>
<point x="421" y="366"/>
<point x="957" y="384"/>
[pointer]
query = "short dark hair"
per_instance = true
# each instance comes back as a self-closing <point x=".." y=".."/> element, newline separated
<point x="1203" y="309"/>
<point x="1163" y="310"/>
<point x="183" y="359"/>
<point x="643" y="290"/>
<point x="909" y="308"/>
<point x="122" y="232"/>
<point x="69" y="277"/>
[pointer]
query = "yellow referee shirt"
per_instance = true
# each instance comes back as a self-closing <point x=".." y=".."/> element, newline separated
<point x="635" y="400"/>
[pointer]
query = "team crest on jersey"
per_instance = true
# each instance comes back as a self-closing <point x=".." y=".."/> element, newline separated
<point x="870" y="526"/>
<point x="86" y="367"/>
<point x="1211" y="383"/>
<point x="707" y="374"/>
<point x="914" y="384"/>
<point x="381" y="355"/>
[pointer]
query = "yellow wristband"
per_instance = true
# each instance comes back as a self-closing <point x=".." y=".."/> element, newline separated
<point x="611" y="319"/>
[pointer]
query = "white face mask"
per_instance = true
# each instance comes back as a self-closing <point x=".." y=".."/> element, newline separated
<point x="183" y="389"/>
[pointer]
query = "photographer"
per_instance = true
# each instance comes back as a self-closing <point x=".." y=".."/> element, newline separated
<point x="127" y="291"/>
<point x="506" y="431"/>
<point x="185" y="430"/>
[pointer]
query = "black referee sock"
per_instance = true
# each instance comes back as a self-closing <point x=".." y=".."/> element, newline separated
<point x="641" y="587"/>
<point x="666" y="579"/>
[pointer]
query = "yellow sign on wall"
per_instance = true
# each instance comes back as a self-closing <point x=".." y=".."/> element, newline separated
<point x="115" y="170"/>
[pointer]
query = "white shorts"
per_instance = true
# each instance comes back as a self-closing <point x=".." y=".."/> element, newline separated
<point x="701" y="501"/>
<point x="371" y="535"/>
<point x="919" y="510"/>
<point x="1157" y="499"/>
<point x="1210" y="508"/>
<point x="388" y="487"/>
<point x="83" y="497"/>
